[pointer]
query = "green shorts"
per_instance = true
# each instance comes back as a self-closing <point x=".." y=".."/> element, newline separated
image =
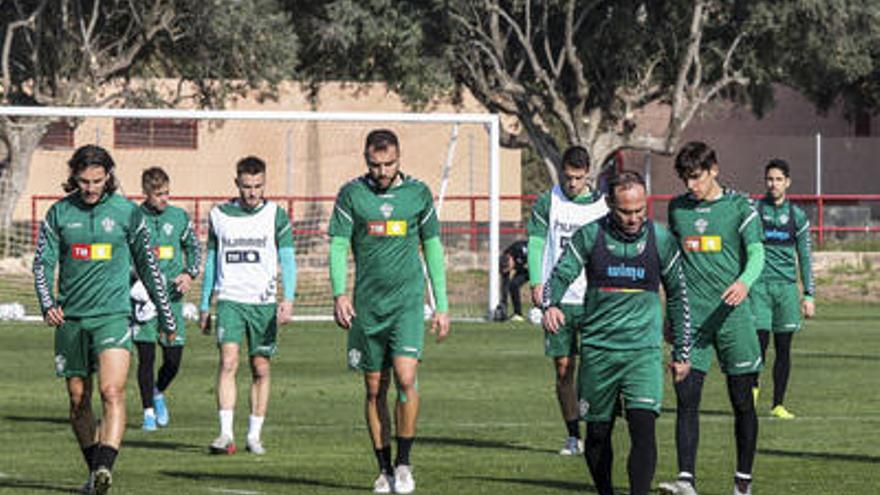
<point x="605" y="374"/>
<point x="565" y="342"/>
<point x="758" y="299"/>
<point x="257" y="321"/>
<point x="730" y="333"/>
<point x="374" y="341"/>
<point x="78" y="341"/>
<point x="148" y="331"/>
<point x="783" y="305"/>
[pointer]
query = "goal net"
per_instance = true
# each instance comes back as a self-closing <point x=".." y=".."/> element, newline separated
<point x="309" y="156"/>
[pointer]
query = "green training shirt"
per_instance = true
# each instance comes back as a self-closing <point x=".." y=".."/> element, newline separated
<point x="94" y="247"/>
<point x="174" y="244"/>
<point x="385" y="229"/>
<point x="784" y="258"/>
<point x="626" y="319"/>
<point x="713" y="235"/>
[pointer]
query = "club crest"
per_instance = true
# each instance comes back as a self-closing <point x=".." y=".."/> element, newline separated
<point x="701" y="224"/>
<point x="107" y="223"/>
<point x="167" y="228"/>
<point x="387" y="209"/>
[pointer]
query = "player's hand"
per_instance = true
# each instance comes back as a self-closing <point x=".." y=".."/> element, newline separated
<point x="680" y="370"/>
<point x="183" y="282"/>
<point x="205" y="322"/>
<point x="736" y="293"/>
<point x="343" y="311"/>
<point x="537" y="295"/>
<point x="54" y="316"/>
<point x="809" y="308"/>
<point x="284" y="313"/>
<point x="440" y="325"/>
<point x="553" y="319"/>
<point x="170" y="337"/>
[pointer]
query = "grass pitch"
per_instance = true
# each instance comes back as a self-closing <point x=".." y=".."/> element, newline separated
<point x="489" y="420"/>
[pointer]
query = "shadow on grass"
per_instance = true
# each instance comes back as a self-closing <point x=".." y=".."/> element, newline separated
<point x="535" y="482"/>
<point x="479" y="444"/>
<point x="830" y="355"/>
<point x="29" y="486"/>
<point x="164" y="445"/>
<point x="38" y="419"/>
<point x="258" y="478"/>
<point x="703" y="412"/>
<point x="822" y="456"/>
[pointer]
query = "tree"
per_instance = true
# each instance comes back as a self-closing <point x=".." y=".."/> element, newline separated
<point x="105" y="52"/>
<point x="579" y="71"/>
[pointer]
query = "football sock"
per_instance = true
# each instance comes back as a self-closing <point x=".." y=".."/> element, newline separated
<point x="688" y="393"/>
<point x="89" y="455"/>
<point x="105" y="457"/>
<point x="255" y="427"/>
<point x="643" y="450"/>
<point x="171" y="357"/>
<point x="573" y="428"/>
<point x="404" y="445"/>
<point x="599" y="454"/>
<point x="226" y="416"/>
<point x="383" y="458"/>
<point x="782" y="366"/>
<point x="146" y="356"/>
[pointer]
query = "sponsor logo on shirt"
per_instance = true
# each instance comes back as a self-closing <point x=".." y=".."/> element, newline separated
<point x="91" y="252"/>
<point x="242" y="256"/>
<point x="74" y="225"/>
<point x="163" y="252"/>
<point x="167" y="228"/>
<point x="624" y="271"/>
<point x="703" y="243"/>
<point x="245" y="241"/>
<point x="565" y="227"/>
<point x="389" y="228"/>
<point x="776" y="235"/>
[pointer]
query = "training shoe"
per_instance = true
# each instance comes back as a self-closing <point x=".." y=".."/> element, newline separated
<point x="572" y="446"/>
<point x="677" y="487"/>
<point x="781" y="412"/>
<point x="88" y="488"/>
<point x="517" y="318"/>
<point x="742" y="487"/>
<point x="149" y="422"/>
<point x="383" y="483"/>
<point x="756" y="392"/>
<point x="403" y="479"/>
<point x="255" y="446"/>
<point x="162" y="417"/>
<point x="103" y="480"/>
<point x="223" y="445"/>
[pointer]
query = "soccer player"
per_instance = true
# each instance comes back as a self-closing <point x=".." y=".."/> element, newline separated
<point x="787" y="246"/>
<point x="248" y="238"/>
<point x="556" y="216"/>
<point x="176" y="248"/>
<point x="720" y="236"/>
<point x="626" y="259"/>
<point x="384" y="216"/>
<point x="94" y="236"/>
<point x="514" y="273"/>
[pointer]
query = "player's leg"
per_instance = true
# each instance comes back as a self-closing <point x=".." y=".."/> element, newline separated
<point x="641" y="386"/>
<point x="112" y="374"/>
<point x="230" y="333"/>
<point x="782" y="366"/>
<point x="787" y="321"/>
<point x="82" y="419"/>
<point x="688" y="394"/>
<point x="146" y="352"/>
<point x="406" y="413"/>
<point x="172" y="354"/>
<point x="642" y="460"/>
<point x="260" y="387"/>
<point x="745" y="427"/>
<point x="378" y="421"/>
<point x="516" y="283"/>
<point x="599" y="454"/>
<point x="598" y="389"/>
<point x="566" y="395"/>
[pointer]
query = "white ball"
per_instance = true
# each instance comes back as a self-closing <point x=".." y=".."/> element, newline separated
<point x="535" y="315"/>
<point x="429" y="312"/>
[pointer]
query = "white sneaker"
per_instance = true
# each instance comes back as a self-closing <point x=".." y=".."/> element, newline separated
<point x="103" y="480"/>
<point x="383" y="483"/>
<point x="572" y="446"/>
<point x="223" y="445"/>
<point x="677" y="487"/>
<point x="403" y="479"/>
<point x="255" y="446"/>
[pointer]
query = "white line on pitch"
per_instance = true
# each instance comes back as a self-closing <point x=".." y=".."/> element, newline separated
<point x="232" y="490"/>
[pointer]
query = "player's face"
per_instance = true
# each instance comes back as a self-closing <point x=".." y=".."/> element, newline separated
<point x="573" y="181"/>
<point x="701" y="183"/>
<point x="630" y="208"/>
<point x="250" y="189"/>
<point x="91" y="182"/>
<point x="383" y="165"/>
<point x="157" y="197"/>
<point x="777" y="183"/>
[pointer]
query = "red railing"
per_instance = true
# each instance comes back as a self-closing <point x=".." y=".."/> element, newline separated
<point x="474" y="226"/>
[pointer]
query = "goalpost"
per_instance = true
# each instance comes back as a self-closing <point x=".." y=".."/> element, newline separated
<point x="309" y="156"/>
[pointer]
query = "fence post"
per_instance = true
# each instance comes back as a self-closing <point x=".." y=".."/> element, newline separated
<point x="34" y="221"/>
<point x="473" y="229"/>
<point x="821" y="205"/>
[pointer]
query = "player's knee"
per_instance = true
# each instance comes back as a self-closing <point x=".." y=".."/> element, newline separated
<point x="228" y="365"/>
<point x="740" y="393"/>
<point x="80" y="403"/>
<point x="113" y="393"/>
<point x="260" y="372"/>
<point x="598" y="432"/>
<point x="689" y="391"/>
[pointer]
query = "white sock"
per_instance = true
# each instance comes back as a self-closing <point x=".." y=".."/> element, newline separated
<point x="255" y="427"/>
<point x="149" y="412"/>
<point x="226" y="422"/>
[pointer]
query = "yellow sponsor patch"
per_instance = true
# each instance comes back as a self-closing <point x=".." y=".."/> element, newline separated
<point x="102" y="251"/>
<point x="165" y="252"/>
<point x="703" y="243"/>
<point x="395" y="228"/>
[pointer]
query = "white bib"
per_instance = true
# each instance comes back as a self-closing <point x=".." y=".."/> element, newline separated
<point x="247" y="257"/>
<point x="565" y="218"/>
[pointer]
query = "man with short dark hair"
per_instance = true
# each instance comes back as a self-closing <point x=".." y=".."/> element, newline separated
<point x="384" y="216"/>
<point x="556" y="215"/>
<point x="248" y="238"/>
<point x="787" y="246"/>
<point x="720" y="237"/>
<point x="176" y="249"/>
<point x="626" y="258"/>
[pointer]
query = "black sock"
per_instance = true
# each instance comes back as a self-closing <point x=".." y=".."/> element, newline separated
<point x="105" y="457"/>
<point x="89" y="455"/>
<point x="383" y="457"/>
<point x="782" y="366"/>
<point x="171" y="357"/>
<point x="404" y="445"/>
<point x="643" y="450"/>
<point x="573" y="428"/>
<point x="688" y="393"/>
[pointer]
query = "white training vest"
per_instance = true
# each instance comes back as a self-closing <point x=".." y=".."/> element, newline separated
<point x="247" y="257"/>
<point x="565" y="218"/>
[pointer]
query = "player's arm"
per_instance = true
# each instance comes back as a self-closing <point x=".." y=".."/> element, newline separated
<point x="751" y="233"/>
<point x="677" y="305"/>
<point x="45" y="260"/>
<point x="432" y="248"/>
<point x="566" y="271"/>
<point x="287" y="260"/>
<point x="805" y="262"/>
<point x="148" y="271"/>
<point x="341" y="228"/>
<point x="537" y="230"/>
<point x="208" y="280"/>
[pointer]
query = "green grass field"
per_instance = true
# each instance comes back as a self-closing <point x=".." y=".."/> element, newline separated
<point x="489" y="421"/>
